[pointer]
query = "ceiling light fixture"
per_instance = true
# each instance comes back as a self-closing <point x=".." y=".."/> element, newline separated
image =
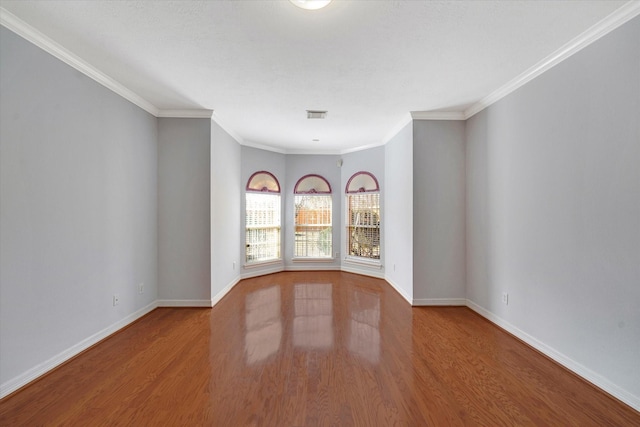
<point x="310" y="4"/>
<point x="316" y="114"/>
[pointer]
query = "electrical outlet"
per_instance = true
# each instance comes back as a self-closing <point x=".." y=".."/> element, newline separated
<point x="141" y="288"/>
<point x="505" y="298"/>
<point x="234" y="265"/>
<point x="394" y="267"/>
<point x="116" y="299"/>
<point x="337" y="255"/>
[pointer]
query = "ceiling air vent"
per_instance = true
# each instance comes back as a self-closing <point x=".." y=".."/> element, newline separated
<point x="316" y="114"/>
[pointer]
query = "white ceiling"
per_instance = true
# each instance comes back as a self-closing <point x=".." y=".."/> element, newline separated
<point x="261" y="64"/>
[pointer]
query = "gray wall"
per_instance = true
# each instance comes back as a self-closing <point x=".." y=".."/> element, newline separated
<point x="398" y="212"/>
<point x="438" y="212"/>
<point x="288" y="169"/>
<point x="226" y="222"/>
<point x="371" y="160"/>
<point x="553" y="210"/>
<point x="254" y="160"/>
<point x="184" y="216"/>
<point x="297" y="166"/>
<point x="78" y="180"/>
<point x="97" y="197"/>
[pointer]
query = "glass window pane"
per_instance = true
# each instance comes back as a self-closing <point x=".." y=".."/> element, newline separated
<point x="363" y="228"/>
<point x="262" y="227"/>
<point x="313" y="230"/>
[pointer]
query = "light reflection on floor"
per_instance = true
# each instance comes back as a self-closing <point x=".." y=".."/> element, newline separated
<point x="263" y="324"/>
<point x="364" y="336"/>
<point x="313" y="316"/>
<point x="313" y="324"/>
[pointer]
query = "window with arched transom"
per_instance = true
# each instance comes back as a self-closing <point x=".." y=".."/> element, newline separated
<point x="313" y="217"/>
<point x="262" y="218"/>
<point x="363" y="216"/>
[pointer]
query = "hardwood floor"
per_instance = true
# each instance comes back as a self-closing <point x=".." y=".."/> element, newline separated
<point x="313" y="349"/>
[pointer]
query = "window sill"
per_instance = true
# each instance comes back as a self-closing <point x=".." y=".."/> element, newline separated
<point x="263" y="263"/>
<point x="363" y="261"/>
<point x="313" y="259"/>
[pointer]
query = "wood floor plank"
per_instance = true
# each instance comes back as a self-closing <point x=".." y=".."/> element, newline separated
<point x="313" y="349"/>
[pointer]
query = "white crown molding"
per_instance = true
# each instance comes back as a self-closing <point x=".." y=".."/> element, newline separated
<point x="438" y="115"/>
<point x="395" y="130"/>
<point x="364" y="147"/>
<point x="625" y="13"/>
<point x="186" y="114"/>
<point x="308" y="152"/>
<point x="315" y="152"/>
<point x="252" y="144"/>
<point x="227" y="129"/>
<point x="622" y="15"/>
<point x="24" y="30"/>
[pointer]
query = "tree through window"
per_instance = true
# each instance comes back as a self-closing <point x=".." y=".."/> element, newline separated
<point x="363" y="216"/>
<point x="313" y="211"/>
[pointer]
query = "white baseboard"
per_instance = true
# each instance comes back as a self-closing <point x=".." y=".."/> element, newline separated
<point x="217" y="297"/>
<point x="398" y="289"/>
<point x="363" y="271"/>
<point x="277" y="268"/>
<point x="184" y="303"/>
<point x="439" y="302"/>
<point x="21" y="380"/>
<point x="586" y="373"/>
<point x="14" y="384"/>
<point x="312" y="268"/>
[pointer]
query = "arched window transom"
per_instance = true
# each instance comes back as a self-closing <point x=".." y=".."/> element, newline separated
<point x="363" y="216"/>
<point x="312" y="184"/>
<point x="362" y="182"/>
<point x="263" y="181"/>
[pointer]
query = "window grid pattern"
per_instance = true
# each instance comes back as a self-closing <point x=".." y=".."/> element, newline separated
<point x="262" y="227"/>
<point x="363" y="229"/>
<point x="313" y="231"/>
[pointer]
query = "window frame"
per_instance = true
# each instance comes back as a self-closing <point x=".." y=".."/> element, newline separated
<point x="372" y="188"/>
<point x="324" y="190"/>
<point x="265" y="190"/>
